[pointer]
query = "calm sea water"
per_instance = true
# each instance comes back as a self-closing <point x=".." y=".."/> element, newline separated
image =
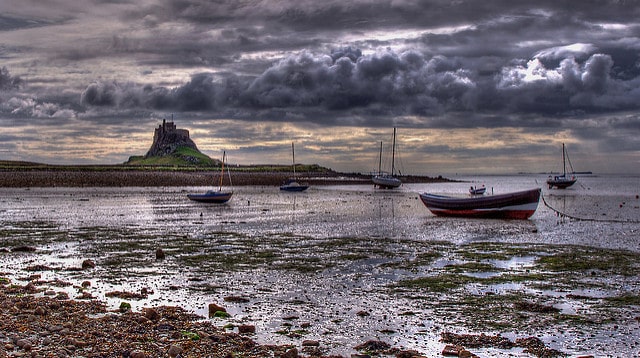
<point x="317" y="257"/>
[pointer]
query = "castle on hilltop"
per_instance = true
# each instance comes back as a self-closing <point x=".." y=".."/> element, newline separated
<point x="167" y="138"/>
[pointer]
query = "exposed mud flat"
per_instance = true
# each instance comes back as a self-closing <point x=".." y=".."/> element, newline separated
<point x="343" y="265"/>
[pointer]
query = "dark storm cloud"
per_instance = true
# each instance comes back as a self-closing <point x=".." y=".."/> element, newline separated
<point x="388" y="83"/>
<point x="342" y="81"/>
<point x="460" y="71"/>
<point x="9" y="23"/>
<point x="8" y="82"/>
<point x="364" y="15"/>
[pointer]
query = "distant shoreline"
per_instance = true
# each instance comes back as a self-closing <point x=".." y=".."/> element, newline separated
<point x="105" y="176"/>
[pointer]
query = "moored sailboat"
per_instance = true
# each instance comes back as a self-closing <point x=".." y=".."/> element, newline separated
<point x="292" y="184"/>
<point x="215" y="196"/>
<point x="386" y="180"/>
<point x="562" y="181"/>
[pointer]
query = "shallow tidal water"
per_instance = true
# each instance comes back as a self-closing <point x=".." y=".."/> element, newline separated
<point x="347" y="264"/>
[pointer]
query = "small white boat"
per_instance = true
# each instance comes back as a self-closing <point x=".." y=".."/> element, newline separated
<point x="386" y="180"/>
<point x="477" y="191"/>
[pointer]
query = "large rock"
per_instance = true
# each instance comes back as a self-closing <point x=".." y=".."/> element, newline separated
<point x="213" y="308"/>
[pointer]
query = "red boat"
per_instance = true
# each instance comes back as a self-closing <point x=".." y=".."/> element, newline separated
<point x="517" y="205"/>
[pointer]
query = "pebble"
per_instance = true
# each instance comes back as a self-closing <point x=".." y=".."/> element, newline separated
<point x="213" y="308"/>
<point x="137" y="354"/>
<point x="151" y="314"/>
<point x="291" y="353"/>
<point x="246" y="328"/>
<point x="174" y="351"/>
<point x="24" y="344"/>
<point x="40" y="311"/>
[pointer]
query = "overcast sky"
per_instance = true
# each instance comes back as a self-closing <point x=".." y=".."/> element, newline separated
<point x="472" y="86"/>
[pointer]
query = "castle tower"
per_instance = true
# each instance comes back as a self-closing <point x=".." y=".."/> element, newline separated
<point x="167" y="138"/>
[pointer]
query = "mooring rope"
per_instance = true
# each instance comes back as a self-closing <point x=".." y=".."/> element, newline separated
<point x="562" y="215"/>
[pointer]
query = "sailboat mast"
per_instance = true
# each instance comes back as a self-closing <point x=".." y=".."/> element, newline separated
<point x="393" y="153"/>
<point x="293" y="161"/>
<point x="222" y="170"/>
<point x="564" y="165"/>
<point x="229" y="175"/>
<point x="380" y="160"/>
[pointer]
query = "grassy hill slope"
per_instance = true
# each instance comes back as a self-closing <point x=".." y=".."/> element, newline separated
<point x="182" y="156"/>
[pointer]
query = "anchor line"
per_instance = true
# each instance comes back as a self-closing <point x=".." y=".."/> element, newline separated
<point x="562" y="214"/>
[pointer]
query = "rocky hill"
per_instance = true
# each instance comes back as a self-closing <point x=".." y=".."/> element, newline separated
<point x="172" y="146"/>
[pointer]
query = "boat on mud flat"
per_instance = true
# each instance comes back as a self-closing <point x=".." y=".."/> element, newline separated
<point x="292" y="184"/>
<point x="563" y="181"/>
<point x="211" y="196"/>
<point x="215" y="196"/>
<point x="477" y="191"/>
<point x="386" y="180"/>
<point x="516" y="205"/>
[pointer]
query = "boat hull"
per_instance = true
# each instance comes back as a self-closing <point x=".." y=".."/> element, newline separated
<point x="215" y="197"/>
<point x="561" y="182"/>
<point x="293" y="185"/>
<point x="518" y="205"/>
<point x="477" y="191"/>
<point x="386" y="182"/>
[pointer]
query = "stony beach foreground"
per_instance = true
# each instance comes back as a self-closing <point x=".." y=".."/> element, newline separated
<point x="35" y="323"/>
<point x="59" y="327"/>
